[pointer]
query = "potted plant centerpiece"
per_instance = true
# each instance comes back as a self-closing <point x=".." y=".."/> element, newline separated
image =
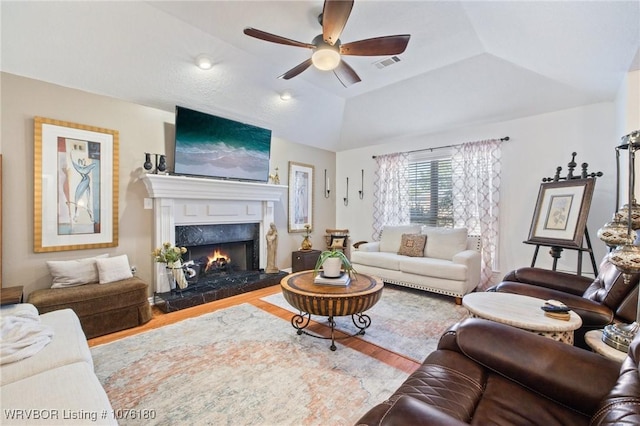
<point x="332" y="261"/>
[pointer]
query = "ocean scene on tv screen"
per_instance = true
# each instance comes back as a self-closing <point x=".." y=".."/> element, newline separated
<point x="212" y="146"/>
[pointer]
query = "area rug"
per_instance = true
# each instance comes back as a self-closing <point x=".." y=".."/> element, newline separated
<point x="239" y="366"/>
<point x="406" y="321"/>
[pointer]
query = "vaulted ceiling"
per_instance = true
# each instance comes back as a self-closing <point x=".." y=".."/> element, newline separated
<point x="466" y="63"/>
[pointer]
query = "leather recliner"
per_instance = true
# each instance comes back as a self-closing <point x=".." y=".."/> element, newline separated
<point x="599" y="301"/>
<point x="487" y="373"/>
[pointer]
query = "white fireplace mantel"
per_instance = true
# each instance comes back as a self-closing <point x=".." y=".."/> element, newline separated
<point x="167" y="186"/>
<point x="182" y="200"/>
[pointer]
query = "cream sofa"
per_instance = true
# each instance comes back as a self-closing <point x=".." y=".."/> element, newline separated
<point x="57" y="385"/>
<point x="449" y="263"/>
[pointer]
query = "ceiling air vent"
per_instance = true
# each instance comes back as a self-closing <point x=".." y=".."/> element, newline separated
<point x="387" y="62"/>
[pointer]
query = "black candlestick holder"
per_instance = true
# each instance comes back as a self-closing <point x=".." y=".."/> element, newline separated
<point x="159" y="165"/>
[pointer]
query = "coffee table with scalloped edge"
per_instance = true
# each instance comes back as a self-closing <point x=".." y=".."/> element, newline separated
<point x="331" y="301"/>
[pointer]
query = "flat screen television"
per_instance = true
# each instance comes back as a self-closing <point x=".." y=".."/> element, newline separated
<point x="211" y="146"/>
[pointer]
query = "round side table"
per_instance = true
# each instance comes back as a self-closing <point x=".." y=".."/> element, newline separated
<point x="521" y="312"/>
<point x="594" y="340"/>
<point x="330" y="301"/>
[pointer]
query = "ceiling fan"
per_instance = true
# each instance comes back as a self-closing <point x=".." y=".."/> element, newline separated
<point x="327" y="48"/>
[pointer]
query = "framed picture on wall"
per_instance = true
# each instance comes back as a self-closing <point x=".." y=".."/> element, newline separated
<point x="561" y="213"/>
<point x="300" y="196"/>
<point x="75" y="186"/>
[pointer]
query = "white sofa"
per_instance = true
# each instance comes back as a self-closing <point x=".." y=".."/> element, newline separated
<point x="57" y="385"/>
<point x="449" y="263"/>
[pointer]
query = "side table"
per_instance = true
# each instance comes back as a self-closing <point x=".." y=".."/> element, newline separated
<point x="11" y="295"/>
<point x="594" y="340"/>
<point x="304" y="260"/>
<point x="521" y="312"/>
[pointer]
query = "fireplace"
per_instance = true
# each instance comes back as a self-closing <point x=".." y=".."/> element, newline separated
<point x="220" y="249"/>
<point x="206" y="215"/>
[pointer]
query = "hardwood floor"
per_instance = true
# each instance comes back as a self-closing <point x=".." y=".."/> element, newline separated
<point x="161" y="319"/>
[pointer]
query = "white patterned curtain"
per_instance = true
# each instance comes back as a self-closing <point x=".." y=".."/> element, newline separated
<point x="476" y="193"/>
<point x="390" y="192"/>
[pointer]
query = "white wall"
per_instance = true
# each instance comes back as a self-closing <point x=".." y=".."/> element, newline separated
<point x="628" y="104"/>
<point x="141" y="129"/>
<point x="627" y="121"/>
<point x="537" y="146"/>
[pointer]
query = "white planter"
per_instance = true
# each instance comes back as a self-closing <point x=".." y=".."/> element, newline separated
<point x="331" y="267"/>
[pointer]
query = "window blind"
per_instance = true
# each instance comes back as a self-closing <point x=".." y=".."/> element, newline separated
<point x="430" y="190"/>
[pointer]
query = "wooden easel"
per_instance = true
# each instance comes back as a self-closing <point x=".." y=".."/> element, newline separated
<point x="556" y="253"/>
<point x="557" y="248"/>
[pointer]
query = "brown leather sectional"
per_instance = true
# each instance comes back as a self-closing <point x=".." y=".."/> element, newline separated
<point x="486" y="373"/>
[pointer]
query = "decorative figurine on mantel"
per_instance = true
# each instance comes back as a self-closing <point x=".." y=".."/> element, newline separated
<point x="275" y="178"/>
<point x="272" y="249"/>
<point x="306" y="242"/>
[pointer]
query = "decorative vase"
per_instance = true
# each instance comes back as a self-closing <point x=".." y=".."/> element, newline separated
<point x="331" y="267"/>
<point x="306" y="244"/>
<point x="170" y="279"/>
<point x="177" y="273"/>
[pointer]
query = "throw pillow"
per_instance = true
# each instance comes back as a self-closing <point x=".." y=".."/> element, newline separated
<point x="413" y="245"/>
<point x="113" y="269"/>
<point x="392" y="236"/>
<point x="72" y="273"/>
<point x="444" y="243"/>
<point x="338" y="241"/>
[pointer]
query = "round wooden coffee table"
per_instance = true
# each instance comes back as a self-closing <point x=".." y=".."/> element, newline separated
<point x="330" y="301"/>
<point x="521" y="312"/>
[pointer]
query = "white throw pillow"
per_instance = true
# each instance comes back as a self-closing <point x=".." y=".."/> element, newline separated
<point x="72" y="273"/>
<point x="114" y="269"/>
<point x="392" y="236"/>
<point x="444" y="243"/>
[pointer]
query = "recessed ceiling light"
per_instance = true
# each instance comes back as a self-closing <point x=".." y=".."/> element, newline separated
<point x="204" y="62"/>
<point x="285" y="96"/>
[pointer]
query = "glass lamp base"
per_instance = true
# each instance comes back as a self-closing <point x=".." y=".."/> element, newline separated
<point x="620" y="336"/>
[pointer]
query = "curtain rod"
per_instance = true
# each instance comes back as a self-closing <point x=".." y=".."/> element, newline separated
<point x="506" y="138"/>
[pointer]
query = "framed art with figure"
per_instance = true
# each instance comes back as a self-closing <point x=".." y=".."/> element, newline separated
<point x="561" y="213"/>
<point x="75" y="186"/>
<point x="300" y="197"/>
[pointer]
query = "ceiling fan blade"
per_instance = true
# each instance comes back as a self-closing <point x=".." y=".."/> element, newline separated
<point x="346" y="74"/>
<point x="377" y="46"/>
<point x="296" y="70"/>
<point x="334" y="17"/>
<point x="252" y="32"/>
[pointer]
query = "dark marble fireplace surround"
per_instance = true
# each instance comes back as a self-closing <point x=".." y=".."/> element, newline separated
<point x="241" y="275"/>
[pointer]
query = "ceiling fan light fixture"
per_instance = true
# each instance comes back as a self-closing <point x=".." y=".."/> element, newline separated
<point x="325" y="59"/>
<point x="204" y="62"/>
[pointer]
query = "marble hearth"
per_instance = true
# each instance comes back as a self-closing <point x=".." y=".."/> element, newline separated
<point x="180" y="201"/>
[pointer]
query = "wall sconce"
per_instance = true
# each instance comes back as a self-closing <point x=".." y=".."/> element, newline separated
<point x="346" y="198"/>
<point x="361" y="192"/>
<point x="160" y="163"/>
<point x="327" y="185"/>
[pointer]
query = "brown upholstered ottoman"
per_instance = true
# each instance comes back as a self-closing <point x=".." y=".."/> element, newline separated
<point x="102" y="308"/>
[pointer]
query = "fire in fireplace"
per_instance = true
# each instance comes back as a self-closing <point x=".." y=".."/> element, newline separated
<point x="217" y="261"/>
<point x="226" y="258"/>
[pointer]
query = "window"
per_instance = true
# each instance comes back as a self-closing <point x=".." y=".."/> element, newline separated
<point x="430" y="189"/>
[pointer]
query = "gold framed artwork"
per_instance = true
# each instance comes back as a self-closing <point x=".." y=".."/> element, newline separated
<point x="561" y="213"/>
<point x="300" y="196"/>
<point x="75" y="186"/>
